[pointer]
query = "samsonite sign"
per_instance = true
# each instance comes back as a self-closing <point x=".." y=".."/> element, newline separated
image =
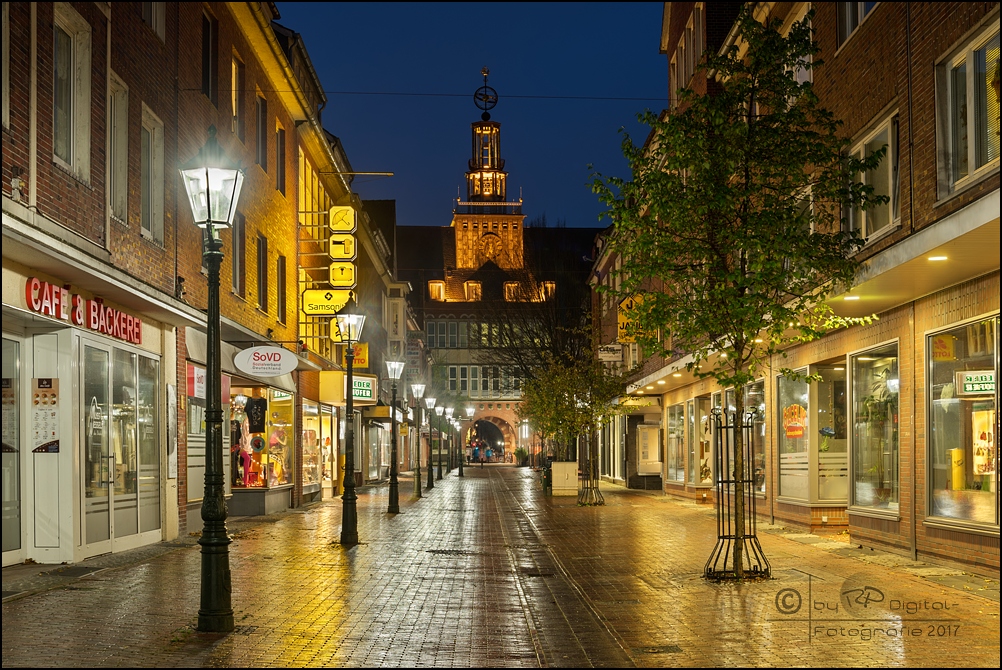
<point x="266" y="361"/>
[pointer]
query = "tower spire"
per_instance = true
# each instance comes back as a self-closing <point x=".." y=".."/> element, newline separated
<point x="486" y="180"/>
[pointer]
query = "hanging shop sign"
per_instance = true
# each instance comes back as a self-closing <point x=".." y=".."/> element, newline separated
<point x="266" y="361"/>
<point x="626" y="324"/>
<point x="343" y="219"/>
<point x="342" y="274"/>
<point x="976" y="382"/>
<point x="57" y="302"/>
<point x="324" y="302"/>
<point x="610" y="353"/>
<point x="360" y="352"/>
<point x="332" y="388"/>
<point x="342" y="247"/>
<point x="363" y="389"/>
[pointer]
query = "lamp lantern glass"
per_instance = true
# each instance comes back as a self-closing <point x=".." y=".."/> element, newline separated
<point x="430" y="402"/>
<point x="394" y="369"/>
<point x="440" y="410"/>
<point x="449" y="411"/>
<point x="350" y="321"/>
<point x="417" y="390"/>
<point x="212" y="183"/>
<point x="470" y="409"/>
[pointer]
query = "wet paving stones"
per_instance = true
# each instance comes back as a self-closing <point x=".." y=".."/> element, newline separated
<point x="485" y="571"/>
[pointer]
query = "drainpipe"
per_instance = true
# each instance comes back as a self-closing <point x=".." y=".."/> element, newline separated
<point x="913" y="541"/>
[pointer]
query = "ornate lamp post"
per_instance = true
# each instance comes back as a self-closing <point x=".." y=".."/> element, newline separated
<point x="450" y="453"/>
<point x="212" y="183"/>
<point x="417" y="390"/>
<point x="430" y="402"/>
<point x="349" y="323"/>
<point x="394" y="369"/>
<point x="439" y="411"/>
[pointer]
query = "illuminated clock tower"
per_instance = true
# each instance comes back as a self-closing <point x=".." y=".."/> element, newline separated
<point x="488" y="227"/>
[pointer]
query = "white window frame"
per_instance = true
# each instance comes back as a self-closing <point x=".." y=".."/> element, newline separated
<point x="861" y="15"/>
<point x="5" y="76"/>
<point x="238" y="75"/>
<point x="79" y="31"/>
<point x="154" y="229"/>
<point x="891" y="164"/>
<point x="945" y="121"/>
<point x="155" y="16"/>
<point x="118" y="149"/>
<point x="436" y="290"/>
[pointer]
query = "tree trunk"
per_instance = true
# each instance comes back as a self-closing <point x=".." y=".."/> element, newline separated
<point x="739" y="484"/>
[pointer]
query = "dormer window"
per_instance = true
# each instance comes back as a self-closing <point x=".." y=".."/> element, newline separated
<point x="473" y="291"/>
<point x="436" y="290"/>
<point x="548" y="289"/>
<point x="511" y="292"/>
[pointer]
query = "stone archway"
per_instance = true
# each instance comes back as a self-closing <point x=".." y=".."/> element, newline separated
<point x="500" y="421"/>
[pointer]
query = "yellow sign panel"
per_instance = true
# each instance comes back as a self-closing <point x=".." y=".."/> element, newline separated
<point x="342" y="247"/>
<point x="625" y="306"/>
<point x="324" y="302"/>
<point x="342" y="219"/>
<point x="361" y="350"/>
<point x="342" y="274"/>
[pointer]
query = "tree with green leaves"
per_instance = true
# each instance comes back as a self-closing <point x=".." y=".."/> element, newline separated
<point x="733" y="227"/>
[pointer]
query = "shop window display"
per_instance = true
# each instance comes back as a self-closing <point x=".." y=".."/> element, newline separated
<point x="833" y="461"/>
<point x="261" y="444"/>
<point x="754" y="401"/>
<point x="675" y="438"/>
<point x="875" y="428"/>
<point x="311" y="443"/>
<point x="793" y="437"/>
<point x="700" y="446"/>
<point x="963" y="421"/>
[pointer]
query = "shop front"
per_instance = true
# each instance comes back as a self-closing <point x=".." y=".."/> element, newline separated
<point x="319" y="451"/>
<point x="89" y="466"/>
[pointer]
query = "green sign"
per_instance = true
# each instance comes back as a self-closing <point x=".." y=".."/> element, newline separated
<point x="976" y="382"/>
<point x="363" y="388"/>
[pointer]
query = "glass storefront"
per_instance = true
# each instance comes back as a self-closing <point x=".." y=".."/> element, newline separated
<point x="11" y="446"/>
<point x="754" y="402"/>
<point x="675" y="442"/>
<point x="875" y="387"/>
<point x="964" y="423"/>
<point x="700" y="446"/>
<point x="793" y="437"/>
<point x="328" y="442"/>
<point x="261" y="436"/>
<point x="832" y="442"/>
<point x="311" y="444"/>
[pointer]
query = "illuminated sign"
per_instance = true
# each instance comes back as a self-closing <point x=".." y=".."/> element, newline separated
<point x="342" y="274"/>
<point x="55" y="301"/>
<point x="976" y="382"/>
<point x="266" y="361"/>
<point x="342" y="219"/>
<point x="342" y="247"/>
<point x="324" y="302"/>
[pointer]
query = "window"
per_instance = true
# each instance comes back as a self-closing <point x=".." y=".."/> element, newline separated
<point x="473" y="291"/>
<point x="463" y="380"/>
<point x="884" y="179"/>
<point x="453" y="334"/>
<point x="238" y="249"/>
<point x="262" y="272"/>
<point x="118" y="148"/>
<point x="154" y="15"/>
<point x="442" y="325"/>
<point x="549" y="289"/>
<point x="71" y="53"/>
<point x="262" y="133"/>
<point x="280" y="160"/>
<point x="511" y="291"/>
<point x="794" y="437"/>
<point x="280" y="288"/>
<point x="675" y="440"/>
<point x="237" y="98"/>
<point x="431" y="333"/>
<point x="963" y="422"/>
<point x="452" y="377"/>
<point x="968" y="113"/>
<point x="6" y="66"/>
<point x="875" y="386"/>
<point x="210" y="62"/>
<point x="436" y="290"/>
<point x="151" y="176"/>
<point x="687" y="54"/>
<point x="463" y="338"/>
<point x="850" y="15"/>
<point x="475" y="381"/>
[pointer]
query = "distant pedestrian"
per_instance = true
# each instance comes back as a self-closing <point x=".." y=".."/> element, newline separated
<point x="482" y="461"/>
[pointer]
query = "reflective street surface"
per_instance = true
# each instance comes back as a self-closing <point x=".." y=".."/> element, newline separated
<point x="486" y="571"/>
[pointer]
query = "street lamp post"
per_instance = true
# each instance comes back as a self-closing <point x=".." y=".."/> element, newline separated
<point x="349" y="324"/>
<point x="212" y="183"/>
<point x="430" y="402"/>
<point x="418" y="391"/>
<point x="394" y="369"/>
<point x="451" y="452"/>
<point x="439" y="411"/>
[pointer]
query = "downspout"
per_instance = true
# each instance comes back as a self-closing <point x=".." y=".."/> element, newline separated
<point x="33" y="114"/>
<point x="911" y="314"/>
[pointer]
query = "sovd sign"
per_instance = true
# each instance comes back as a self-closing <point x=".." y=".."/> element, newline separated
<point x="266" y="361"/>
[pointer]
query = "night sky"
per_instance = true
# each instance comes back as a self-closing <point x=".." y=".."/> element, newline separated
<point x="597" y="50"/>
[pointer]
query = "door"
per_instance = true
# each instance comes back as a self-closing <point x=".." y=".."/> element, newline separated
<point x="121" y="448"/>
<point x="12" y="529"/>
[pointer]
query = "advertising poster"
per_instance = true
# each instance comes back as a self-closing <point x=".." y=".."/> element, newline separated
<point x="45" y="415"/>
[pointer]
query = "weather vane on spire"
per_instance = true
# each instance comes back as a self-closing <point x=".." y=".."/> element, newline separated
<point x="485" y="97"/>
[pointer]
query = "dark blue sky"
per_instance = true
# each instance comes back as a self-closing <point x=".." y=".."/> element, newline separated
<point x="532" y="49"/>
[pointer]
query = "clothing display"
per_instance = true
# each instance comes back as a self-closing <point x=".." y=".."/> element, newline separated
<point x="257" y="411"/>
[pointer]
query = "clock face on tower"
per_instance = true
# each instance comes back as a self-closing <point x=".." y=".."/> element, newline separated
<point x="490" y="245"/>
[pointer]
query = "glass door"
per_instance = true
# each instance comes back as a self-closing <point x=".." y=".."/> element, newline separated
<point x="11" y="447"/>
<point x="97" y="456"/>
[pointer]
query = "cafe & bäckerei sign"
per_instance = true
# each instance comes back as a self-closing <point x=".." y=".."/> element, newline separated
<point x="49" y="299"/>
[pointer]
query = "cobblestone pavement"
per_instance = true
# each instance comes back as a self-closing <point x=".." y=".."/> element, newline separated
<point x="486" y="572"/>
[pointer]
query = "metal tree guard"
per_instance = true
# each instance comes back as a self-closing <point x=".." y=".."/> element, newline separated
<point x="720" y="565"/>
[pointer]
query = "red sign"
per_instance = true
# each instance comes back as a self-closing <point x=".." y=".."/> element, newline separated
<point x="57" y="302"/>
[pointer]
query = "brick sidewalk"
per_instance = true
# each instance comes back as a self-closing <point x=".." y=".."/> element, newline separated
<point x="485" y="571"/>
